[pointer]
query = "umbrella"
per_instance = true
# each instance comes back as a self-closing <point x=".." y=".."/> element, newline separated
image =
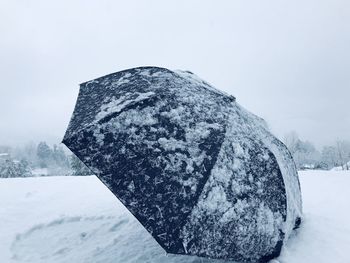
<point x="203" y="175"/>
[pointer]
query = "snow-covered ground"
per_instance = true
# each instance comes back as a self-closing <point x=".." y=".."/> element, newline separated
<point x="342" y="167"/>
<point x="76" y="219"/>
<point x="40" y="172"/>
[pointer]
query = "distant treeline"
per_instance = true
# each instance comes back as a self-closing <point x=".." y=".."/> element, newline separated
<point x="39" y="160"/>
<point x="306" y="156"/>
<point x="44" y="160"/>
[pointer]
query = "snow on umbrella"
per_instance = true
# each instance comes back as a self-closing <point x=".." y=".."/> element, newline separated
<point x="204" y="176"/>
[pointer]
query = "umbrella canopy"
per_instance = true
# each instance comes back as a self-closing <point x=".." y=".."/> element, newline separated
<point x="204" y="176"/>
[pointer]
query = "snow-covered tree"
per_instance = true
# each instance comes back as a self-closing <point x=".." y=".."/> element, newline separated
<point x="23" y="168"/>
<point x="59" y="156"/>
<point x="304" y="153"/>
<point x="11" y="168"/>
<point x="343" y="154"/>
<point x="44" y="154"/>
<point x="291" y="140"/>
<point x="78" y="167"/>
<point x="329" y="157"/>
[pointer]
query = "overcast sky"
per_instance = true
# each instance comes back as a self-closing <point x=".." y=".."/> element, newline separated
<point x="286" y="61"/>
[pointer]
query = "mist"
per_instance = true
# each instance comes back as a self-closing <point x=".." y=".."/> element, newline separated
<point x="287" y="62"/>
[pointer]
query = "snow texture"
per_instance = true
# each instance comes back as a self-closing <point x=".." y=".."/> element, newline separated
<point x="76" y="219"/>
<point x="204" y="176"/>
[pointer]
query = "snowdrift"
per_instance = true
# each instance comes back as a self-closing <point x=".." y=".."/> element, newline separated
<point x="76" y="219"/>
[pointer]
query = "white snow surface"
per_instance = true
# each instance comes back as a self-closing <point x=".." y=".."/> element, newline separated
<point x="40" y="172"/>
<point x="77" y="219"/>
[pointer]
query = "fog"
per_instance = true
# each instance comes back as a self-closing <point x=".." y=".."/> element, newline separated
<point x="286" y="61"/>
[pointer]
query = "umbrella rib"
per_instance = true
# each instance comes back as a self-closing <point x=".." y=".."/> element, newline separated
<point x="202" y="185"/>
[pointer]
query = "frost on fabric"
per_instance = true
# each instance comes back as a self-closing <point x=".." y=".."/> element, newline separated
<point x="117" y="105"/>
<point x="202" y="175"/>
<point x="242" y="207"/>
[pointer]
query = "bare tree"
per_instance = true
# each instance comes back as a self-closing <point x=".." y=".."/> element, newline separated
<point x="291" y="140"/>
<point x="329" y="156"/>
<point x="304" y="153"/>
<point x="343" y="152"/>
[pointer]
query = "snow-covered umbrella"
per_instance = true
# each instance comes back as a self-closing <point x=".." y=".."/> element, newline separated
<point x="203" y="175"/>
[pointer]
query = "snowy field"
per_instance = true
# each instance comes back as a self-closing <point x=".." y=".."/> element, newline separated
<point x="76" y="219"/>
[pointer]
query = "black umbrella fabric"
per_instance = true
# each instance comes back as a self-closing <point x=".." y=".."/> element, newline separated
<point x="204" y="176"/>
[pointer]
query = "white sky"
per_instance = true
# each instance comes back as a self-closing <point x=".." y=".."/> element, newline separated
<point x="286" y="61"/>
